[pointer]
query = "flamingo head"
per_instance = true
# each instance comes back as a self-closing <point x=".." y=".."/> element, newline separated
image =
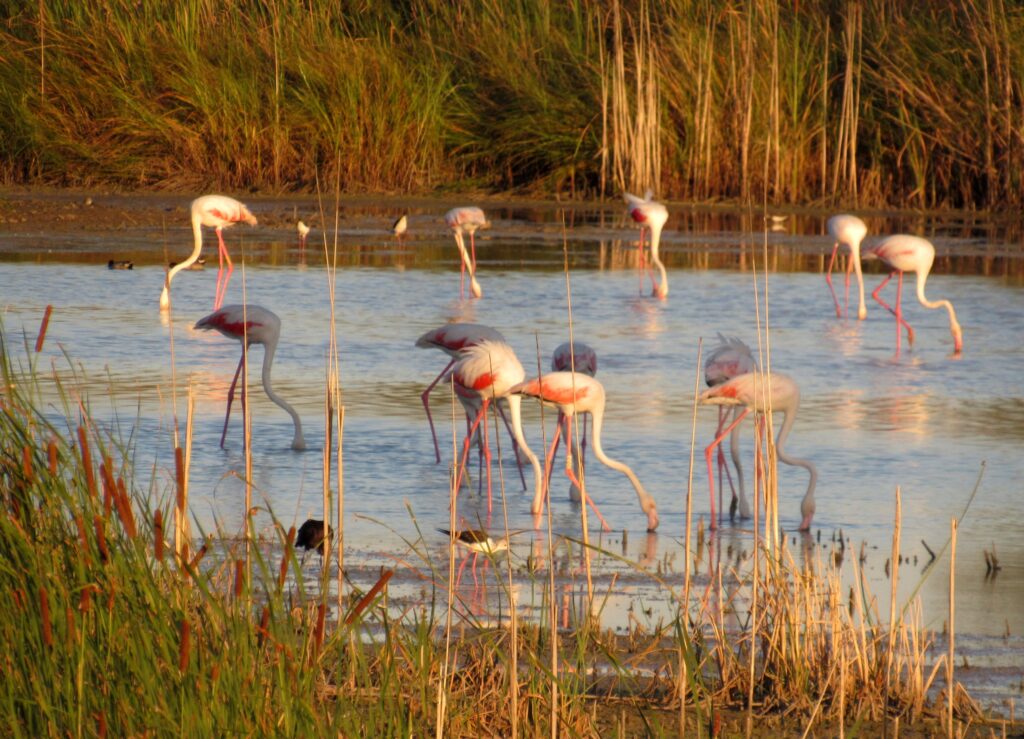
<point x="246" y="215"/>
<point x="660" y="292"/>
<point x="958" y="337"/>
<point x="652" y="514"/>
<point x="807" y="511"/>
<point x="862" y="313"/>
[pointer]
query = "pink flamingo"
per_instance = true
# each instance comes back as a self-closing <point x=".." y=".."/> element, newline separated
<point x="903" y="253"/>
<point x="575" y="393"/>
<point x="220" y="212"/>
<point x="487" y="372"/>
<point x="567" y="357"/>
<point x="462" y="221"/>
<point x="781" y="394"/>
<point x="849" y="230"/>
<point x="650" y="215"/>
<point x="254" y="325"/>
<point x="727" y="360"/>
<point x="303" y="231"/>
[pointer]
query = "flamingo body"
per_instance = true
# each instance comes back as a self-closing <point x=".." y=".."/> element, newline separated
<point x="848" y="230"/>
<point x="466" y="220"/>
<point x="906" y="253"/>
<point x="781" y="394"/>
<point x="217" y="212"/>
<point x="254" y="325"/>
<point x="575" y="393"/>
<point x="400" y="226"/>
<point x="652" y="215"/>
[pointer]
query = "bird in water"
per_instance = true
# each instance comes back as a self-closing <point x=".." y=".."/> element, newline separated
<point x="652" y="216"/>
<point x="763" y="393"/>
<point x="218" y="212"/>
<point x="904" y="253"/>
<point x="303" y="231"/>
<point x="254" y="325"/>
<point x="849" y="230"/>
<point x="569" y="357"/>
<point x="197" y="265"/>
<point x="400" y="226"/>
<point x="118" y="264"/>
<point x="466" y="220"/>
<point x="311" y="536"/>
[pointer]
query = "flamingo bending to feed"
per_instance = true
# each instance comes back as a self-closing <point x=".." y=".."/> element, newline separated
<point x="254" y="325"/>
<point x="467" y="220"/>
<point x="400" y="226"/>
<point x="218" y="212"/>
<point x="781" y="394"/>
<point x="575" y="393"/>
<point x="303" y="231"/>
<point x="653" y="216"/>
<point x="567" y="357"/>
<point x="728" y="360"/>
<point x="487" y="372"/>
<point x="849" y="230"/>
<point x="904" y="253"/>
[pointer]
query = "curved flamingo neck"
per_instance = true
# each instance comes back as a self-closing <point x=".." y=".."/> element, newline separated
<point x="269" y="348"/>
<point x="807" y="505"/>
<point x="515" y="410"/>
<point x="197" y="237"/>
<point x="662" y="289"/>
<point x="862" y="310"/>
<point x="954" y="325"/>
<point x="474" y="286"/>
<point x="647" y="503"/>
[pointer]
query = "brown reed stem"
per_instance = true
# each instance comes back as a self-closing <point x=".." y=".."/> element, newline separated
<point x="289" y="542"/>
<point x="368" y="598"/>
<point x="42" y="328"/>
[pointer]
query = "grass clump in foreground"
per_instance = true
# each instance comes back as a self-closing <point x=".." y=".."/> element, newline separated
<point x="104" y="632"/>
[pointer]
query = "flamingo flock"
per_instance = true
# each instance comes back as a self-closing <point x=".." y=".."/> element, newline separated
<point x="484" y="371"/>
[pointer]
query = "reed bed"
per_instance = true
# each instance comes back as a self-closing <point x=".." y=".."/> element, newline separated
<point x="861" y="104"/>
<point x="111" y="628"/>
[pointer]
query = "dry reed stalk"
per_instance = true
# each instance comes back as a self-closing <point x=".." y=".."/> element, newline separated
<point x="687" y="540"/>
<point x="41" y="337"/>
<point x="325" y="497"/>
<point x="443" y="683"/>
<point x="341" y="504"/>
<point x="950" y="660"/>
<point x="289" y="544"/>
<point x="179" y="502"/>
<point x="247" y="533"/>
<point x="892" y="597"/>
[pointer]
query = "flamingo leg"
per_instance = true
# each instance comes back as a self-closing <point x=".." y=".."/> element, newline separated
<point x="222" y="289"/>
<point x="472" y="249"/>
<point x="515" y="445"/>
<point x="640" y="262"/>
<point x="709" y="453"/>
<point x="487" y="457"/>
<point x="898" y="311"/>
<point x="828" y="279"/>
<point x="465" y="444"/>
<point x="575" y="481"/>
<point x="846" y="282"/>
<point x="231" y="398"/>
<point x="549" y="463"/>
<point x="425" y="397"/>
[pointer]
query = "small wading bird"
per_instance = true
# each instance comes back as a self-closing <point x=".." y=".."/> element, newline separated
<point x="195" y="266"/>
<point x="218" y="212"/>
<point x="311" y="535"/>
<point x="400" y="226"/>
<point x="902" y="253"/>
<point x="652" y="216"/>
<point x="781" y="394"/>
<point x="303" y="231"/>
<point x="476" y="541"/>
<point x="467" y="220"/>
<point x="848" y="230"/>
<point x="487" y="372"/>
<point x="254" y="325"/>
<point x="566" y="358"/>
<point x="115" y="264"/>
<point x="729" y="359"/>
<point x="575" y="393"/>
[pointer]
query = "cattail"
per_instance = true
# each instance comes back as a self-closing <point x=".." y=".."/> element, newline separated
<point x="101" y="539"/>
<point x="44" y="612"/>
<point x="368" y="598"/>
<point x="124" y="512"/>
<point x="26" y="462"/>
<point x="109" y="490"/>
<point x="51" y="452"/>
<point x="101" y="725"/>
<point x="179" y="476"/>
<point x="19" y="599"/>
<point x="215" y="672"/>
<point x="69" y="614"/>
<point x="184" y="646"/>
<point x="289" y="540"/>
<point x="239" y="577"/>
<point x="85" y="599"/>
<point x="198" y="558"/>
<point x="110" y="597"/>
<point x="42" y="328"/>
<point x="90" y="478"/>
<point x="264" y="621"/>
<point x="158" y="535"/>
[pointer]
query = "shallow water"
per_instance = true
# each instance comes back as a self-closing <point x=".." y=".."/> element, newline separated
<point x="925" y="421"/>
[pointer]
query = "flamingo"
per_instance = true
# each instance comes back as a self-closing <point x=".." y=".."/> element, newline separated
<point x="220" y="212"/>
<point x="462" y="221"/>
<point x="727" y="360"/>
<point x="571" y="393"/>
<point x="254" y="325"/>
<point x="451" y="338"/>
<point x="781" y="394"/>
<point x="303" y="230"/>
<point x="400" y="226"/>
<point x="486" y="372"/>
<point x="650" y="215"/>
<point x="849" y="230"/>
<point x="904" y="253"/>
<point x="567" y="357"/>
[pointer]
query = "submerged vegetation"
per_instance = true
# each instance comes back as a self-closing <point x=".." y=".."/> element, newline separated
<point x="112" y="626"/>
<point x="861" y="103"/>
